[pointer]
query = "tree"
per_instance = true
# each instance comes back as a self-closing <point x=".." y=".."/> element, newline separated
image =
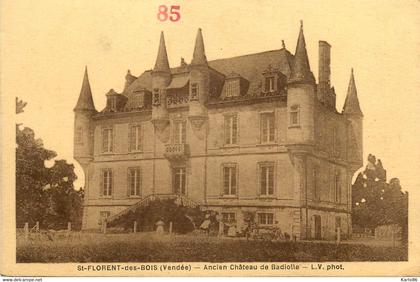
<point x="376" y="202"/>
<point x="44" y="194"/>
<point x="32" y="199"/>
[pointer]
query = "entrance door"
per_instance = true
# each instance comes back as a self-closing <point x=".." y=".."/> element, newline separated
<point x="317" y="221"/>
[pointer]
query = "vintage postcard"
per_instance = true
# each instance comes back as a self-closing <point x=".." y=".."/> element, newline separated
<point x="210" y="138"/>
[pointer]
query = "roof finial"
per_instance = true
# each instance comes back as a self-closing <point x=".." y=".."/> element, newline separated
<point x="352" y="72"/>
<point x="301" y="24"/>
<point x="283" y="45"/>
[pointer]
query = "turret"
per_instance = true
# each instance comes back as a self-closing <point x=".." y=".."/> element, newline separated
<point x="199" y="78"/>
<point x="84" y="110"/>
<point x="301" y="97"/>
<point x="161" y="77"/>
<point x="354" y="114"/>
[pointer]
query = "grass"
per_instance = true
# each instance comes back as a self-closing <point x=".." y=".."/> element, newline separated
<point x="146" y="247"/>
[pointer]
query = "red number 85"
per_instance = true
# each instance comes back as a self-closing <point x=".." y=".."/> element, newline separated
<point x="174" y="16"/>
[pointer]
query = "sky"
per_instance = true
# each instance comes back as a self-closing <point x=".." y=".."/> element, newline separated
<point x="46" y="44"/>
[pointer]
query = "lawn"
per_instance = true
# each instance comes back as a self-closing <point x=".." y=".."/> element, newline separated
<point x="146" y="247"/>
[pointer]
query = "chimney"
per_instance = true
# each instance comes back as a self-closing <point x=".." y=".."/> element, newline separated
<point x="324" y="70"/>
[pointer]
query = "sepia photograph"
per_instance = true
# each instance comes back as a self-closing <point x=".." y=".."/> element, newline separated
<point x="210" y="138"/>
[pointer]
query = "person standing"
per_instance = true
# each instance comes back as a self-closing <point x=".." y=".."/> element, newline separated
<point x="160" y="224"/>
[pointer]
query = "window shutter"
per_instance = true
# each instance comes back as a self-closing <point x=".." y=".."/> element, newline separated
<point x="103" y="140"/>
<point x="234" y="130"/>
<point x="233" y="183"/>
<point x="111" y="137"/>
<point x="130" y="147"/>
<point x="139" y="181"/>
<point x="259" y="180"/>
<point x="101" y="184"/>
<point x="227" y="130"/>
<point x="272" y="126"/>
<point x="225" y="188"/>
<point x="111" y="183"/>
<point x="271" y="180"/>
<point x="140" y="137"/>
<point x="263" y="180"/>
<point x="128" y="182"/>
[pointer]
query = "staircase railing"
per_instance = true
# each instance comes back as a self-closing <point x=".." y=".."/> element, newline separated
<point x="181" y="200"/>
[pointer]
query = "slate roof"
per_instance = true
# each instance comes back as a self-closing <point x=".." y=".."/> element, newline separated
<point x="351" y="104"/>
<point x="85" y="101"/>
<point x="250" y="67"/>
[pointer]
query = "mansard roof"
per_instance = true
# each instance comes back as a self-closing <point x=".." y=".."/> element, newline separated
<point x="249" y="67"/>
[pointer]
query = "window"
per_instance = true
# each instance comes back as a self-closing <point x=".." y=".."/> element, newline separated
<point x="179" y="180"/>
<point x="112" y="103"/>
<point x="294" y="115"/>
<point x="231" y="130"/>
<point x="229" y="180"/>
<point x="267" y="127"/>
<point x="180" y="132"/>
<point x="267" y="179"/>
<point x="315" y="183"/>
<point x="229" y="216"/>
<point x="232" y="88"/>
<point x="265" y="218"/>
<point x="107" y="181"/>
<point x="337" y="188"/>
<point x="135" y="138"/>
<point x="103" y="215"/>
<point x="79" y="135"/>
<point x="134" y="182"/>
<point x="107" y="140"/>
<point x="138" y="100"/>
<point x="194" y="91"/>
<point x="156" y="96"/>
<point x="269" y="84"/>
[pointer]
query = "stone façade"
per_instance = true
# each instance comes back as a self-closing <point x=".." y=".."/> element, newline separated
<point x="312" y="148"/>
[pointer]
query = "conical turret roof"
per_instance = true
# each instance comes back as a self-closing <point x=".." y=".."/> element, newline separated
<point x="199" y="55"/>
<point x="301" y="71"/>
<point x="162" y="63"/>
<point x="85" y="101"/>
<point x="351" y="104"/>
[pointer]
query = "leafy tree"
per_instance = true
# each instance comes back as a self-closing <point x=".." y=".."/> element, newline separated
<point x="32" y="200"/>
<point x="44" y="194"/>
<point x="376" y="202"/>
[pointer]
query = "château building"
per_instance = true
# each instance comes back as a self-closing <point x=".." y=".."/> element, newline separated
<point x="249" y="134"/>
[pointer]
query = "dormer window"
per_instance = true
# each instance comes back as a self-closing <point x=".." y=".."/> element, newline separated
<point x="232" y="88"/>
<point x="115" y="102"/>
<point x="112" y="103"/>
<point x="156" y="97"/>
<point x="270" y="84"/>
<point x="194" y="91"/>
<point x="138" y="100"/>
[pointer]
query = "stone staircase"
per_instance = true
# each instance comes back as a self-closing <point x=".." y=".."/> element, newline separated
<point x="180" y="200"/>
